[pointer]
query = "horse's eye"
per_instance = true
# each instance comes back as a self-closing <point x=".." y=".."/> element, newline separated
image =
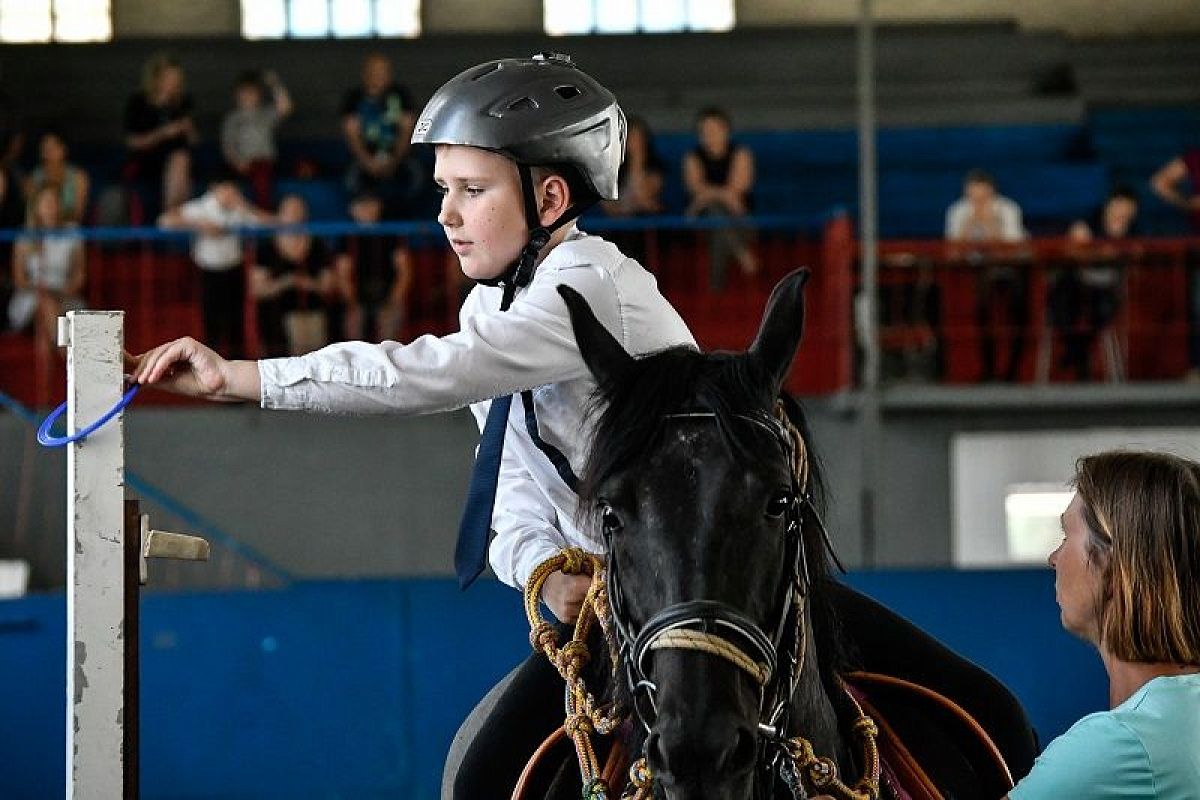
<point x="609" y="518"/>
<point x="779" y="504"/>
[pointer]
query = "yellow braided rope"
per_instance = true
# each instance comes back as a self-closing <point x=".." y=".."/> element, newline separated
<point x="583" y="714"/>
<point x="714" y="645"/>
<point x="822" y="772"/>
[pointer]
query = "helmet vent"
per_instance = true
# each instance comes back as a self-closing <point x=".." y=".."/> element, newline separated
<point x="488" y="70"/>
<point x="523" y="104"/>
<point x="568" y="92"/>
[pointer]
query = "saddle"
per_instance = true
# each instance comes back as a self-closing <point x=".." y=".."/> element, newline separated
<point x="902" y="778"/>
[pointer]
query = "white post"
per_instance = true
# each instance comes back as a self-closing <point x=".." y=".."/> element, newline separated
<point x="96" y="599"/>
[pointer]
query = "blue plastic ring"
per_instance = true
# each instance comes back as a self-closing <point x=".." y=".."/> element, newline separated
<point x="43" y="434"/>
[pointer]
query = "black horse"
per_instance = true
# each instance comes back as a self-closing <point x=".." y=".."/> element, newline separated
<point x="719" y="577"/>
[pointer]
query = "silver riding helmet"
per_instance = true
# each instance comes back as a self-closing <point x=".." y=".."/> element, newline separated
<point x="538" y="111"/>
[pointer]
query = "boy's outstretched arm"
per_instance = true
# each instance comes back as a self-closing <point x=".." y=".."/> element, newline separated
<point x="185" y="366"/>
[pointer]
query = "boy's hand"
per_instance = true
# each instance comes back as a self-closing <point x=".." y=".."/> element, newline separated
<point x="564" y="594"/>
<point x="186" y="366"/>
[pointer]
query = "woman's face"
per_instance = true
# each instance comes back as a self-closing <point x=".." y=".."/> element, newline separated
<point x="635" y="141"/>
<point x="46" y="208"/>
<point x="1077" y="578"/>
<point x="52" y="149"/>
<point x="482" y="212"/>
<point x="714" y="135"/>
<point x="170" y="83"/>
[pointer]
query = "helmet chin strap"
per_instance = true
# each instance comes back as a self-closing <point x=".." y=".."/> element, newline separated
<point x="520" y="272"/>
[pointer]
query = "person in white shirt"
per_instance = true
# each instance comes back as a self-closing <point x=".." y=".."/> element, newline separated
<point x="217" y="251"/>
<point x="522" y="147"/>
<point x="985" y="217"/>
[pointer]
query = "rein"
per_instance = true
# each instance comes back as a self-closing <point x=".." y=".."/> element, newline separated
<point x="709" y="627"/>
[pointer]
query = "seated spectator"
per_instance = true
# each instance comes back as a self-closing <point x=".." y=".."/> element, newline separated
<point x="1084" y="302"/>
<point x="640" y="179"/>
<point x="48" y="270"/>
<point x="377" y="271"/>
<point x="377" y="123"/>
<point x="983" y="216"/>
<point x="1178" y="183"/>
<point x="293" y="283"/>
<point x="160" y="133"/>
<point x="54" y="170"/>
<point x="248" y="131"/>
<point x="719" y="178"/>
<point x="1127" y="581"/>
<point x="217" y="251"/>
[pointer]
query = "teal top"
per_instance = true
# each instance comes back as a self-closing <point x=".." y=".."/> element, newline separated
<point x="1147" y="747"/>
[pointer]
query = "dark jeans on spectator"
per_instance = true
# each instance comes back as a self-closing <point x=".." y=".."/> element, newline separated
<point x="222" y="302"/>
<point x="1079" y="313"/>
<point x="1002" y="306"/>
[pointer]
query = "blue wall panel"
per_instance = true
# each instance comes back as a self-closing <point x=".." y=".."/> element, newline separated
<point x="355" y="689"/>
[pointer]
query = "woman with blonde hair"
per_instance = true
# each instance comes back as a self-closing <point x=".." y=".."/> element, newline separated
<point x="1127" y="578"/>
<point x="159" y="132"/>
<point x="48" y="270"/>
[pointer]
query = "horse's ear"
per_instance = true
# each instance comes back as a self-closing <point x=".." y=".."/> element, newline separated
<point x="602" y="353"/>
<point x="782" y="326"/>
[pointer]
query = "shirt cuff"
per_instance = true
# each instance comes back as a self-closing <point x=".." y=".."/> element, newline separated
<point x="282" y="383"/>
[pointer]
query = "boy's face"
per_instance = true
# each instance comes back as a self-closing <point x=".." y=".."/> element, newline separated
<point x="482" y="211"/>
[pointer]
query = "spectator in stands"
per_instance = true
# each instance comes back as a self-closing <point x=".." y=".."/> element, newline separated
<point x="377" y="273"/>
<point x="1083" y="302"/>
<point x="640" y="179"/>
<point x="1127" y="581"/>
<point x="293" y="283"/>
<point x="55" y="171"/>
<point x="217" y="251"/>
<point x="1178" y="182"/>
<point x="160" y="133"/>
<point x="640" y="185"/>
<point x="985" y="217"/>
<point x="377" y="123"/>
<point x="719" y="178"/>
<point x="48" y="270"/>
<point x="248" y="131"/>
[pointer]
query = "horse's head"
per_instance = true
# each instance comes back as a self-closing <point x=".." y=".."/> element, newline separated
<point x="701" y="492"/>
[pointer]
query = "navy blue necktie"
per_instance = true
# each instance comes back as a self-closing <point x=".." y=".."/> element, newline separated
<point x="470" y="554"/>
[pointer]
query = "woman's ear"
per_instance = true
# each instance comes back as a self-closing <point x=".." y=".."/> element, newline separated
<point x="554" y="198"/>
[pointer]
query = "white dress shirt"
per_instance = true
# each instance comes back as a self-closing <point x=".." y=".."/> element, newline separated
<point x="530" y="346"/>
<point x="222" y="251"/>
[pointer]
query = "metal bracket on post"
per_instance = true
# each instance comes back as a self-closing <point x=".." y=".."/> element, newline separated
<point x="164" y="544"/>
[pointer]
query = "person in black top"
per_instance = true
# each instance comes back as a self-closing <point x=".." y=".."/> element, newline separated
<point x="160" y="132"/>
<point x="294" y="285"/>
<point x="376" y="271"/>
<point x="377" y="123"/>
<point x="719" y="177"/>
<point x="1084" y="301"/>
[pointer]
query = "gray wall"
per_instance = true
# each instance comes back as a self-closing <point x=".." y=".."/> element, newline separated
<point x="325" y="496"/>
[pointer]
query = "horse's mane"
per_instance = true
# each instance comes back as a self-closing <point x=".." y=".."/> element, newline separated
<point x="631" y="411"/>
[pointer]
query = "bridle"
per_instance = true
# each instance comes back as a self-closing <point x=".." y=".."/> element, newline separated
<point x="774" y="661"/>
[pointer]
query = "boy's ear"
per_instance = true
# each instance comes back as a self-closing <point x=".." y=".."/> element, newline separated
<point x="555" y="198"/>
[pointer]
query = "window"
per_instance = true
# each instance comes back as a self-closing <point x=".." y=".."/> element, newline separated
<point x="567" y="17"/>
<point x="322" y="19"/>
<point x="55" y="21"/>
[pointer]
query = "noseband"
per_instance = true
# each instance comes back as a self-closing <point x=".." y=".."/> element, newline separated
<point x="721" y="630"/>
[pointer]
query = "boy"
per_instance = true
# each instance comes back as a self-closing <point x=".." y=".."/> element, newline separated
<point x="217" y="251"/>
<point x="507" y="215"/>
<point x="248" y="130"/>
